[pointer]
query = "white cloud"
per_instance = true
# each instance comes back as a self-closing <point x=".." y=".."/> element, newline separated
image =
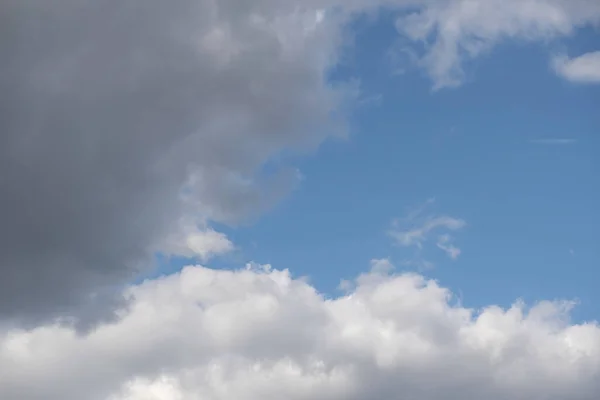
<point x="259" y="333"/>
<point x="381" y="266"/>
<point x="458" y="30"/>
<point x="582" y="69"/>
<point x="192" y="241"/>
<point x="416" y="229"/>
<point x="444" y="243"/>
<point x="416" y="235"/>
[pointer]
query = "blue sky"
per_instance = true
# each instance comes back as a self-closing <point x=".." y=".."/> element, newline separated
<point x="513" y="151"/>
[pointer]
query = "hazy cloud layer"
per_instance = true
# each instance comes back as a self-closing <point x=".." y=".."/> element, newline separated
<point x="258" y="333"/>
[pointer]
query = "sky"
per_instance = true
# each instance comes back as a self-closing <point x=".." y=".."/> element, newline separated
<point x="316" y="199"/>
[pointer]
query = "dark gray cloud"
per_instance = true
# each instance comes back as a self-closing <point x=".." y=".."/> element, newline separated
<point x="108" y="107"/>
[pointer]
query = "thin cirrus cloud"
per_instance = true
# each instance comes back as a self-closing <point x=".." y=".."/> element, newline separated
<point x="444" y="243"/>
<point x="259" y="333"/>
<point x="419" y="233"/>
<point x="418" y="228"/>
<point x="554" y="141"/>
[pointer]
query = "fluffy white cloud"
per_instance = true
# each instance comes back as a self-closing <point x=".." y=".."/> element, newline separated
<point x="582" y="69"/>
<point x="259" y="333"/>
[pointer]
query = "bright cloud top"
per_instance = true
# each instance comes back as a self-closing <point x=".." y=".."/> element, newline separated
<point x="259" y="333"/>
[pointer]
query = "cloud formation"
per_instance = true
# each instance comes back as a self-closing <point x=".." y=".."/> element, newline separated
<point x="582" y="69"/>
<point x="259" y="333"/>
<point x="444" y="243"/>
<point x="418" y="228"/>
<point x="120" y="119"/>
<point x="418" y="233"/>
<point x="454" y="31"/>
<point x="201" y="243"/>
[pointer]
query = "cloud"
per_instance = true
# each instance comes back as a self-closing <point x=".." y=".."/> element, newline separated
<point x="444" y="243"/>
<point x="582" y="69"/>
<point x="456" y="31"/>
<point x="259" y="333"/>
<point x="120" y="119"/>
<point x="381" y="266"/>
<point x="416" y="235"/>
<point x="554" y="141"/>
<point x="416" y="229"/>
<point x="192" y="241"/>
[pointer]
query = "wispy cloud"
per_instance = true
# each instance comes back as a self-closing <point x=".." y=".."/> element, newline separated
<point x="418" y="234"/>
<point x="444" y="243"/>
<point x="417" y="229"/>
<point x="371" y="100"/>
<point x="554" y="141"/>
<point x="454" y="32"/>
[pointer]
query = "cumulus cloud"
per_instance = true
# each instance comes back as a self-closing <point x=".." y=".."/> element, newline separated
<point x="260" y="333"/>
<point x="582" y="69"/>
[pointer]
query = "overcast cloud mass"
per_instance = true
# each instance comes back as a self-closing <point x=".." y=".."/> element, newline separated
<point x="127" y="127"/>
